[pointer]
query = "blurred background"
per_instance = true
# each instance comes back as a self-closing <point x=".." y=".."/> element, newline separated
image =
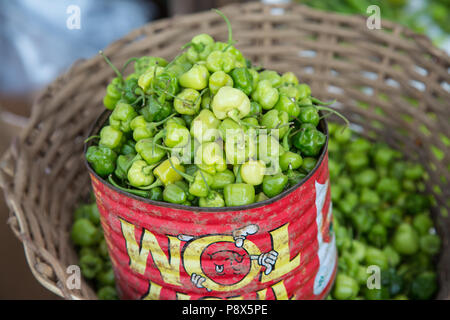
<point x="39" y="40"/>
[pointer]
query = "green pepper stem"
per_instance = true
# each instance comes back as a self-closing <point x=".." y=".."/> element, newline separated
<point x="140" y="193"/>
<point x="118" y="73"/>
<point x="125" y="65"/>
<point x="183" y="174"/>
<point x="206" y="183"/>
<point x="157" y="183"/>
<point x="91" y="138"/>
<point x="227" y="21"/>
<point x="335" y="112"/>
<point x="317" y="101"/>
<point x="286" y="140"/>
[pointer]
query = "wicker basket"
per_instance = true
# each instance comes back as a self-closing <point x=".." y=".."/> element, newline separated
<point x="373" y="74"/>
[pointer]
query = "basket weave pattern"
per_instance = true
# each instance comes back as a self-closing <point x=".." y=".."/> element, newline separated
<point x="392" y="82"/>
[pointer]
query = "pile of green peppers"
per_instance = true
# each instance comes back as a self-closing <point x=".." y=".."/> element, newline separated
<point x="382" y="218"/>
<point x="93" y="256"/>
<point x="207" y="129"/>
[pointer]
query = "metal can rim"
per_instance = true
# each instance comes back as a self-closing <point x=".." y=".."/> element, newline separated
<point x="102" y="118"/>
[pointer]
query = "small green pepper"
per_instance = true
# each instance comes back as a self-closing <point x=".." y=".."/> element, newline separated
<point x="265" y="94"/>
<point x="142" y="64"/>
<point x="345" y="287"/>
<point x="212" y="200"/>
<point x="205" y="126"/>
<point x="253" y="171"/>
<point x="102" y="160"/>
<point x="405" y="240"/>
<point x="196" y="78"/>
<point x="430" y="244"/>
<point x="309" y="142"/>
<point x="274" y="185"/>
<point x="150" y="152"/>
<point x="123" y="164"/>
<point x="84" y="233"/>
<point x="309" y="115"/>
<point x="209" y="157"/>
<point x="113" y="94"/>
<point x="230" y="102"/>
<point x="272" y="76"/>
<point x="239" y="194"/>
<point x="276" y="120"/>
<point x="243" y="80"/>
<point x="90" y="265"/>
<point x="288" y="105"/>
<point x="218" y="80"/>
<point x="221" y="179"/>
<point x="290" y="160"/>
<point x="140" y="174"/>
<point x="166" y="172"/>
<point x="111" y="138"/>
<point x="187" y="102"/>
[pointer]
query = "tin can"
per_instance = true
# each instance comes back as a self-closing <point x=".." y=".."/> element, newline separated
<point x="281" y="248"/>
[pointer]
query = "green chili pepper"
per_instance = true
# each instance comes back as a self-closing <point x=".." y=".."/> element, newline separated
<point x="290" y="160"/>
<point x="239" y="194"/>
<point x="122" y="116"/>
<point x="200" y="47"/>
<point x="154" y="110"/>
<point x="90" y="265"/>
<point x="376" y="257"/>
<point x="113" y="93"/>
<point x="187" y="102"/>
<point x="142" y="64"/>
<point x="253" y="171"/>
<point x="84" y="232"/>
<point x="230" y="102"/>
<point x="309" y="115"/>
<point x="345" y="287"/>
<point x="167" y="171"/>
<point x="274" y="185"/>
<point x="213" y="200"/>
<point x="265" y="94"/>
<point x="102" y="160"/>
<point x="288" y="105"/>
<point x="309" y="142"/>
<point x="123" y="164"/>
<point x="289" y="78"/>
<point x="111" y="138"/>
<point x="405" y="240"/>
<point x="221" y="179"/>
<point x="150" y="152"/>
<point x="378" y="235"/>
<point x="140" y="174"/>
<point x="209" y="158"/>
<point x="278" y="120"/>
<point x="196" y="78"/>
<point x="218" y="80"/>
<point x="175" y="134"/>
<point x="174" y="194"/>
<point x="205" y="126"/>
<point x="272" y="76"/>
<point x="243" y="80"/>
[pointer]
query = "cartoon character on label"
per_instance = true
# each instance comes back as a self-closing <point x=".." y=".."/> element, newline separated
<point x="225" y="262"/>
<point x="325" y="237"/>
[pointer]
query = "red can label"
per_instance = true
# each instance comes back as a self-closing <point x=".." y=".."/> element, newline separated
<point x="282" y="250"/>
